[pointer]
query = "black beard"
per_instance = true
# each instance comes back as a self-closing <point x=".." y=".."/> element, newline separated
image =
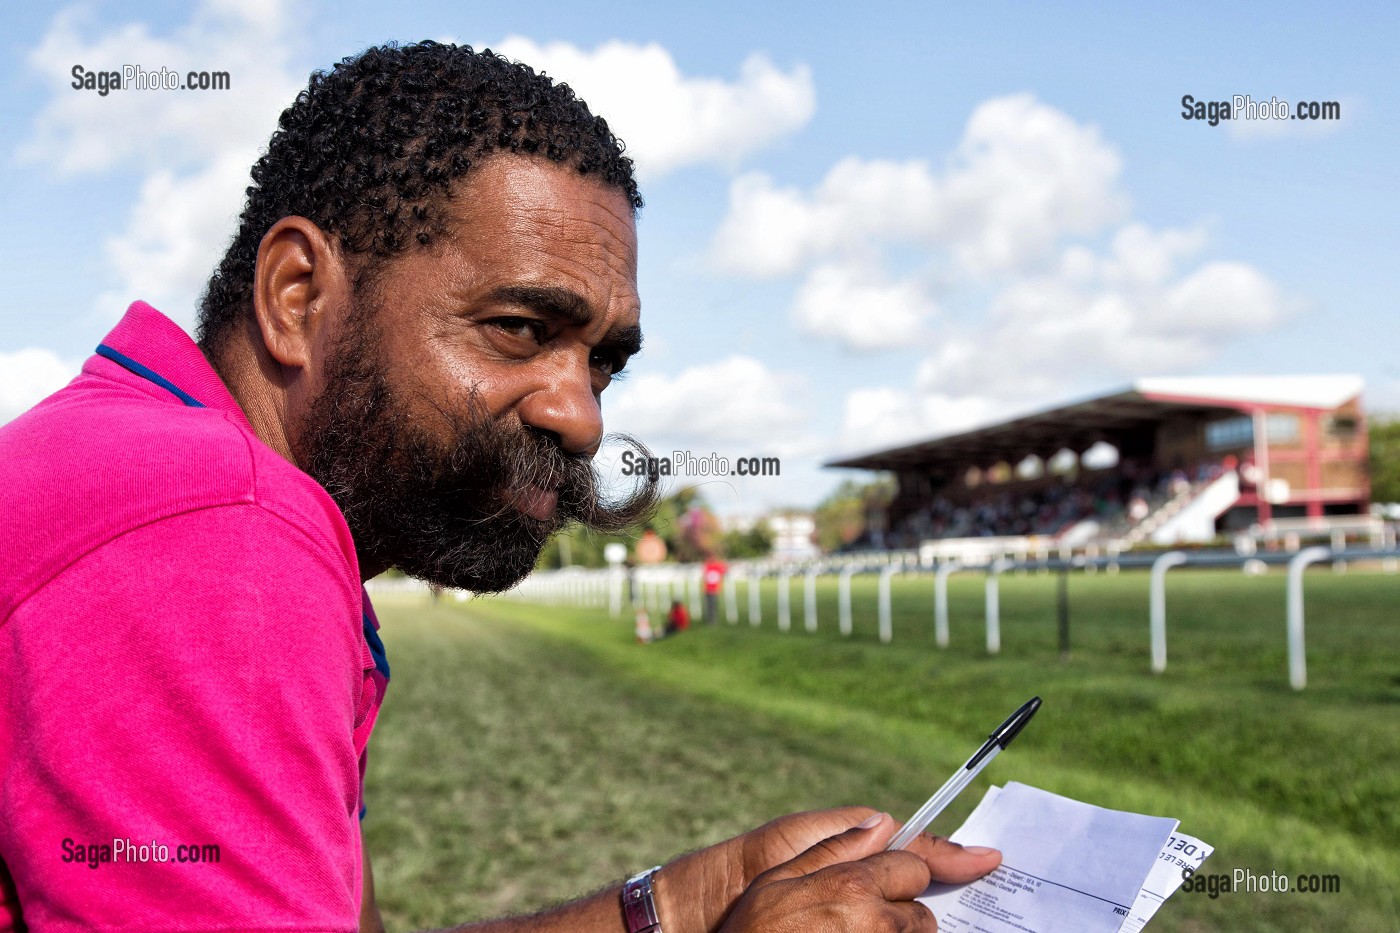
<point x="439" y="510"/>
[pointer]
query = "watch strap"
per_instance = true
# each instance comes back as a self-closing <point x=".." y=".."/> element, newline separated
<point x="639" y="903"/>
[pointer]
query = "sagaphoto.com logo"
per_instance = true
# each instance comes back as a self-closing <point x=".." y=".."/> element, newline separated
<point x="1249" y="881"/>
<point x="135" y="78"/>
<point x="700" y="466"/>
<point x="1245" y="107"/>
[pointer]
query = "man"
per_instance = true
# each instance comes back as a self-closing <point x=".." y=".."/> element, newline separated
<point x="400" y="364"/>
<point x="713" y="578"/>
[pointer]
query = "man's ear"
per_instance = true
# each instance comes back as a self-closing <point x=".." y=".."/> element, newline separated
<point x="299" y="278"/>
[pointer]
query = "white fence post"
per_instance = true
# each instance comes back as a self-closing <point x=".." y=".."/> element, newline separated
<point x="1297" y="660"/>
<point x="843" y="588"/>
<point x="784" y="597"/>
<point x="731" y="597"/>
<point x="994" y="604"/>
<point x="692" y="581"/>
<point x="940" y="602"/>
<point x="755" y="607"/>
<point x="1157" y="606"/>
<point x="809" y="599"/>
<point x="886" y="613"/>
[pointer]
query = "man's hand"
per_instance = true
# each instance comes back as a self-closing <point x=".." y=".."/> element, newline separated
<point x="822" y="862"/>
<point x="849" y="882"/>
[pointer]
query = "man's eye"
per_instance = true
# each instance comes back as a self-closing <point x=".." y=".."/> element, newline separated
<point x="609" y="362"/>
<point x="523" y="327"/>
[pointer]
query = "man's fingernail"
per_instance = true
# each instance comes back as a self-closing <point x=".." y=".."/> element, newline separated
<point x="871" y="821"/>
<point x="978" y="850"/>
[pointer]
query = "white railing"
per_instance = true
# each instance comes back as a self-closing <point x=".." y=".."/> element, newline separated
<point x="655" y="587"/>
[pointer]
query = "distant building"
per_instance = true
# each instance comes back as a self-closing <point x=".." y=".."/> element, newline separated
<point x="793" y="532"/>
<point x="793" y="536"/>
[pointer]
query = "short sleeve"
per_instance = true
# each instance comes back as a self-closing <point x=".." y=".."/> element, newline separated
<point x="178" y="746"/>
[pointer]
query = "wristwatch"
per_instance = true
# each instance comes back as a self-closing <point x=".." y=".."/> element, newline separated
<point x="639" y="903"/>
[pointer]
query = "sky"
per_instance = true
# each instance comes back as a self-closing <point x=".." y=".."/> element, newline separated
<point x="877" y="224"/>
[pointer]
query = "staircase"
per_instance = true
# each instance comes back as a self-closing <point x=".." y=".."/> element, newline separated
<point x="1188" y="516"/>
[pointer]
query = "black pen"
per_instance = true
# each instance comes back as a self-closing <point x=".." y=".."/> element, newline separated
<point x="963" y="776"/>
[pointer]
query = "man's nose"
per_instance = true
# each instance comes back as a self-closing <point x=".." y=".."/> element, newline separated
<point x="566" y="408"/>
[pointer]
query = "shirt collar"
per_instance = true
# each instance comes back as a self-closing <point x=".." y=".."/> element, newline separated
<point x="161" y="348"/>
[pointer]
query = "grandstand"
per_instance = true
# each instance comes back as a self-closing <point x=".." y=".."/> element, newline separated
<point x="1165" y="460"/>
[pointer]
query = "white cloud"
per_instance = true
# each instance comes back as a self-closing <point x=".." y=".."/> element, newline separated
<point x="1221" y="299"/>
<point x="668" y="119"/>
<point x="737" y="400"/>
<point x="1027" y="224"/>
<point x="860" y="308"/>
<point x="1127" y="314"/>
<point x="1139" y="308"/>
<point x="1023" y="177"/>
<point x="194" y="148"/>
<point x="80" y="131"/>
<point x="1027" y="175"/>
<point x="884" y="416"/>
<point x="1137" y="256"/>
<point x="27" y="376"/>
<point x="176" y="234"/>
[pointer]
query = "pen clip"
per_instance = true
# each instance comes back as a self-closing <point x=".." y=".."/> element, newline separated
<point x="1004" y="733"/>
<point x="1014" y="723"/>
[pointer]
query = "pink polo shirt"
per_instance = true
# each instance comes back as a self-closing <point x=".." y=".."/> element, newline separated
<point x="188" y="681"/>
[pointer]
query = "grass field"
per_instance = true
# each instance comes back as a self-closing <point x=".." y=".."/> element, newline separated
<point x="530" y="753"/>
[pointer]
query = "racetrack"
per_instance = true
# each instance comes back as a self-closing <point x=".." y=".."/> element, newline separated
<point x="528" y="753"/>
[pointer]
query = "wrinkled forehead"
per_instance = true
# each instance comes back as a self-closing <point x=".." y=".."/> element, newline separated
<point x="521" y="219"/>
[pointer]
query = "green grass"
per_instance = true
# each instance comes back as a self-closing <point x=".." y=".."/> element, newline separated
<point x="530" y="753"/>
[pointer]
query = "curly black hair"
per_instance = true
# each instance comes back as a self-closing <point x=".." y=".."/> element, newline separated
<point x="369" y="150"/>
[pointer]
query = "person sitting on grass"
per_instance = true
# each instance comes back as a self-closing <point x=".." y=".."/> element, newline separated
<point x="678" y="619"/>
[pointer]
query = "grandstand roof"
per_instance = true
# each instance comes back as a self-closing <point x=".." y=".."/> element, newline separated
<point x="1110" y="418"/>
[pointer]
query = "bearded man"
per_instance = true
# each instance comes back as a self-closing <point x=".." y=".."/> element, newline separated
<point x="400" y="364"/>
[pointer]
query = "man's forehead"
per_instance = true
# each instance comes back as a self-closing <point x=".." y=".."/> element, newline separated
<point x="509" y="191"/>
<point x="525" y="220"/>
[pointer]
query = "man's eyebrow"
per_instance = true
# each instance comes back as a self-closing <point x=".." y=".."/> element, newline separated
<point x="572" y="308"/>
<point x="558" y="302"/>
<point x="625" y="339"/>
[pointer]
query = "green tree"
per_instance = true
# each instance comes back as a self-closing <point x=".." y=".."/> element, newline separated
<point x="843" y="517"/>
<point x="1385" y="458"/>
<point x="683" y="520"/>
<point x="755" y="541"/>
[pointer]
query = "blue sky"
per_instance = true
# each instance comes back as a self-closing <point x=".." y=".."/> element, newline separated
<point x="874" y="224"/>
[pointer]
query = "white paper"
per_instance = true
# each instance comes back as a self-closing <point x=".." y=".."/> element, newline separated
<point x="1066" y="866"/>
<point x="1180" y="852"/>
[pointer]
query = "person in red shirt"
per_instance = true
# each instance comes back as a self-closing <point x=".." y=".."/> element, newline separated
<point x="678" y="620"/>
<point x="713" y="579"/>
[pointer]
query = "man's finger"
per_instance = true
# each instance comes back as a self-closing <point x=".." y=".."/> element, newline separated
<point x="866" y="838"/>
<point x="950" y="862"/>
<point x="893" y="876"/>
<point x="914" y="917"/>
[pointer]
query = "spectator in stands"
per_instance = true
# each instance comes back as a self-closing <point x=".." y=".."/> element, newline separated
<point x="400" y="362"/>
